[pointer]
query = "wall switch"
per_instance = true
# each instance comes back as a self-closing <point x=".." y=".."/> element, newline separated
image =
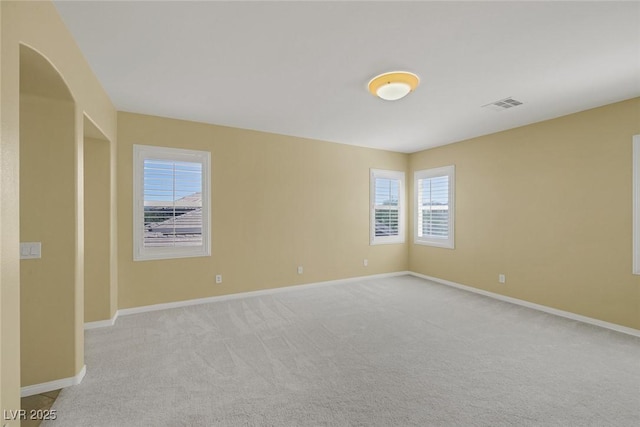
<point x="501" y="278"/>
<point x="365" y="262"/>
<point x="30" y="250"/>
<point x="218" y="278"/>
<point x="300" y="269"/>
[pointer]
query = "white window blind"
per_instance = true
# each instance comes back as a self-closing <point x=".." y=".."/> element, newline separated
<point x="387" y="206"/>
<point x="434" y="207"/>
<point x="171" y="203"/>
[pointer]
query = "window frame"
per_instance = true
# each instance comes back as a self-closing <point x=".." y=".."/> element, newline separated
<point x="636" y="204"/>
<point x="448" y="171"/>
<point x="144" y="152"/>
<point x="387" y="174"/>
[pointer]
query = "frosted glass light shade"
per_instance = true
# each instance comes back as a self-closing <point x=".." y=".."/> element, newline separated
<point x="393" y="86"/>
<point x="393" y="91"/>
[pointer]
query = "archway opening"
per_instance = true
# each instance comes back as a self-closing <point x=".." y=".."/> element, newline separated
<point x="48" y="218"/>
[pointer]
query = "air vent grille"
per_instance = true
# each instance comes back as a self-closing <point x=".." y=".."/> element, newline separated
<point x="503" y="104"/>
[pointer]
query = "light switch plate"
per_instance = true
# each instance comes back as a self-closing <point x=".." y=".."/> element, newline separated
<point x="30" y="250"/>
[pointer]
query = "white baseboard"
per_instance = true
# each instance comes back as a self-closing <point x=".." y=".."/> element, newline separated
<point x="206" y="300"/>
<point x="186" y="303"/>
<point x="101" y="323"/>
<point x="30" y="390"/>
<point x="543" y="308"/>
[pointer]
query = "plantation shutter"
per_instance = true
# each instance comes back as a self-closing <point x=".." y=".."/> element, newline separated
<point x="172" y="203"/>
<point x="387" y="194"/>
<point x="433" y="207"/>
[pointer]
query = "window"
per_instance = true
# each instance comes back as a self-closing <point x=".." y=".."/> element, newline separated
<point x="434" y="214"/>
<point x="636" y="204"/>
<point x="387" y="206"/>
<point x="171" y="205"/>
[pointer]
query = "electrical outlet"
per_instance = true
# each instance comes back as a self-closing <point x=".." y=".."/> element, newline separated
<point x="218" y="278"/>
<point x="365" y="262"/>
<point x="501" y="278"/>
<point x="300" y="269"/>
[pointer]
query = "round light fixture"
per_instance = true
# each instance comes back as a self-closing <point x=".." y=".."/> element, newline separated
<point x="394" y="85"/>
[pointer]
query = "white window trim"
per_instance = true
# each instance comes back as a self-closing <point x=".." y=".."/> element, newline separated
<point x="636" y="204"/>
<point x="449" y="242"/>
<point x="142" y="152"/>
<point x="385" y="240"/>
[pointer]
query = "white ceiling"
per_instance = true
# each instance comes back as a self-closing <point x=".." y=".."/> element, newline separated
<point x="301" y="68"/>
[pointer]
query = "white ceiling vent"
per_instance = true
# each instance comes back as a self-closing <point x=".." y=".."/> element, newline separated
<point x="503" y="104"/>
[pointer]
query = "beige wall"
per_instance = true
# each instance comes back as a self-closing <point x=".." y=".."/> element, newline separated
<point x="47" y="215"/>
<point x="97" y="260"/>
<point x="37" y="24"/>
<point x="277" y="202"/>
<point x="549" y="206"/>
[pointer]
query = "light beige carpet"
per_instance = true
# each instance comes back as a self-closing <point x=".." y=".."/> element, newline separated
<point x="388" y="352"/>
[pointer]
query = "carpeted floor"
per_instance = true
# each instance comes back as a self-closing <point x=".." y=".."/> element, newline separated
<point x="387" y="352"/>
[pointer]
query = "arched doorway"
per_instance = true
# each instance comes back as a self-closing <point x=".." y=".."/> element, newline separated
<point x="50" y="331"/>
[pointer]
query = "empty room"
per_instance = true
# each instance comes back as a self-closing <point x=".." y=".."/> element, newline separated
<point x="305" y="213"/>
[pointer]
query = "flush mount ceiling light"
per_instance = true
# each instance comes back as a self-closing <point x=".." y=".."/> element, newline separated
<point x="394" y="85"/>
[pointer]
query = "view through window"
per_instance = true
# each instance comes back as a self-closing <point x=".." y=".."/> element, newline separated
<point x="434" y="206"/>
<point x="387" y="206"/>
<point x="171" y="197"/>
<point x="172" y="203"/>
